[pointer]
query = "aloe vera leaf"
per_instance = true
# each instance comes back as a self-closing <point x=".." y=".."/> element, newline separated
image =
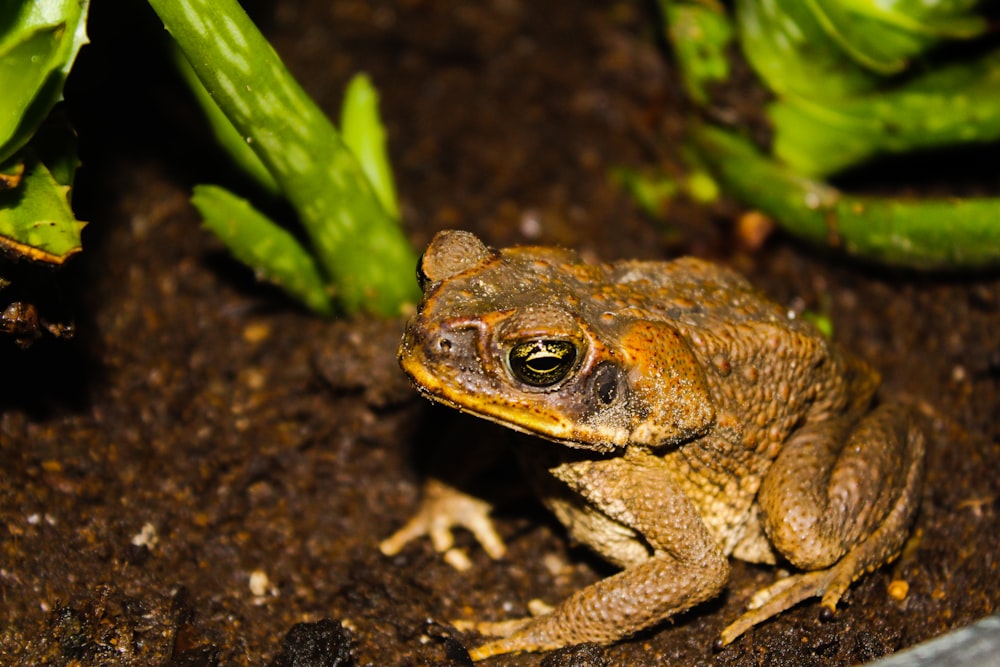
<point x="271" y="251"/>
<point x="363" y="132"/>
<point x="361" y="248"/>
<point x="228" y="137"/>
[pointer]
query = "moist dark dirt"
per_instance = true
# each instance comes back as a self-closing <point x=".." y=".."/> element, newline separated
<point x="204" y="468"/>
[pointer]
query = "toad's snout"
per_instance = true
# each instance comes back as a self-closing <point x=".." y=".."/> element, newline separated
<point x="450" y="348"/>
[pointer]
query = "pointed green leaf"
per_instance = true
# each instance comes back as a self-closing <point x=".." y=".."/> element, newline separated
<point x="35" y="218"/>
<point x="262" y="244"/>
<point x="362" y="129"/>
<point x="701" y="34"/>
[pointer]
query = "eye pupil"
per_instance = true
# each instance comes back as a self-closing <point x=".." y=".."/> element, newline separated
<point x="542" y="363"/>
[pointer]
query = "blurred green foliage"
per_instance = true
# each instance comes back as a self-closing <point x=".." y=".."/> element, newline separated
<point x="848" y="80"/>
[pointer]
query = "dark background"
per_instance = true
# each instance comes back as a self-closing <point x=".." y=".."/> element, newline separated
<point x="248" y="437"/>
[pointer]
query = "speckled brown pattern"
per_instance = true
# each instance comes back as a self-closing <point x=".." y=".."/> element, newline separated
<point x="721" y="425"/>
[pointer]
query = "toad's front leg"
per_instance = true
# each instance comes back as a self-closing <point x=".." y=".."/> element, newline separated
<point x="838" y="503"/>
<point x="685" y="566"/>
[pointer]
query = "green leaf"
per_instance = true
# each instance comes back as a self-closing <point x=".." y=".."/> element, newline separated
<point x="23" y="69"/>
<point x="35" y="218"/>
<point x="263" y="245"/>
<point x="653" y="192"/>
<point x="792" y="53"/>
<point x="952" y="19"/>
<point x="877" y="46"/>
<point x="227" y="135"/>
<point x="360" y="246"/>
<point x="950" y="105"/>
<point x="826" y="49"/>
<point x="362" y="129"/>
<point x="39" y="40"/>
<point x="700" y="33"/>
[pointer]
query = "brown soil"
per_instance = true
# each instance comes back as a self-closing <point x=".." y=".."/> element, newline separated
<point x="201" y="433"/>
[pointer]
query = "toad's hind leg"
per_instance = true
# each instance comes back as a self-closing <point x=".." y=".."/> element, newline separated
<point x="837" y="503"/>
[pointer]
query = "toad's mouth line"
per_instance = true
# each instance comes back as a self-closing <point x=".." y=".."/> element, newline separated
<point x="521" y="420"/>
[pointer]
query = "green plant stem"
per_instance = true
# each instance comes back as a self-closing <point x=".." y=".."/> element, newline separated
<point x="360" y="246"/>
<point x="923" y="234"/>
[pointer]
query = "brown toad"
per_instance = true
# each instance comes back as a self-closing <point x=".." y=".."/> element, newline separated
<point x="700" y="419"/>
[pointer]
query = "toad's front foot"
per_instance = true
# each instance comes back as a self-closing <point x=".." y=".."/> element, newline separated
<point x="444" y="507"/>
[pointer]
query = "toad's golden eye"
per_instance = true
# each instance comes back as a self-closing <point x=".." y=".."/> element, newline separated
<point x="541" y="363"/>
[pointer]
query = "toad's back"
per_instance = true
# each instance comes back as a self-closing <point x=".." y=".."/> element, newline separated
<point x="690" y="291"/>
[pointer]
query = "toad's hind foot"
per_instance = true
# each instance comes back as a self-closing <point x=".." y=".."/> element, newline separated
<point x="864" y="513"/>
<point x="781" y="595"/>
<point x="507" y="629"/>
<point x="514" y="635"/>
<point x="829" y="584"/>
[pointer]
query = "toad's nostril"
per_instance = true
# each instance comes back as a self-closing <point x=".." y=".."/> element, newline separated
<point x="444" y="345"/>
